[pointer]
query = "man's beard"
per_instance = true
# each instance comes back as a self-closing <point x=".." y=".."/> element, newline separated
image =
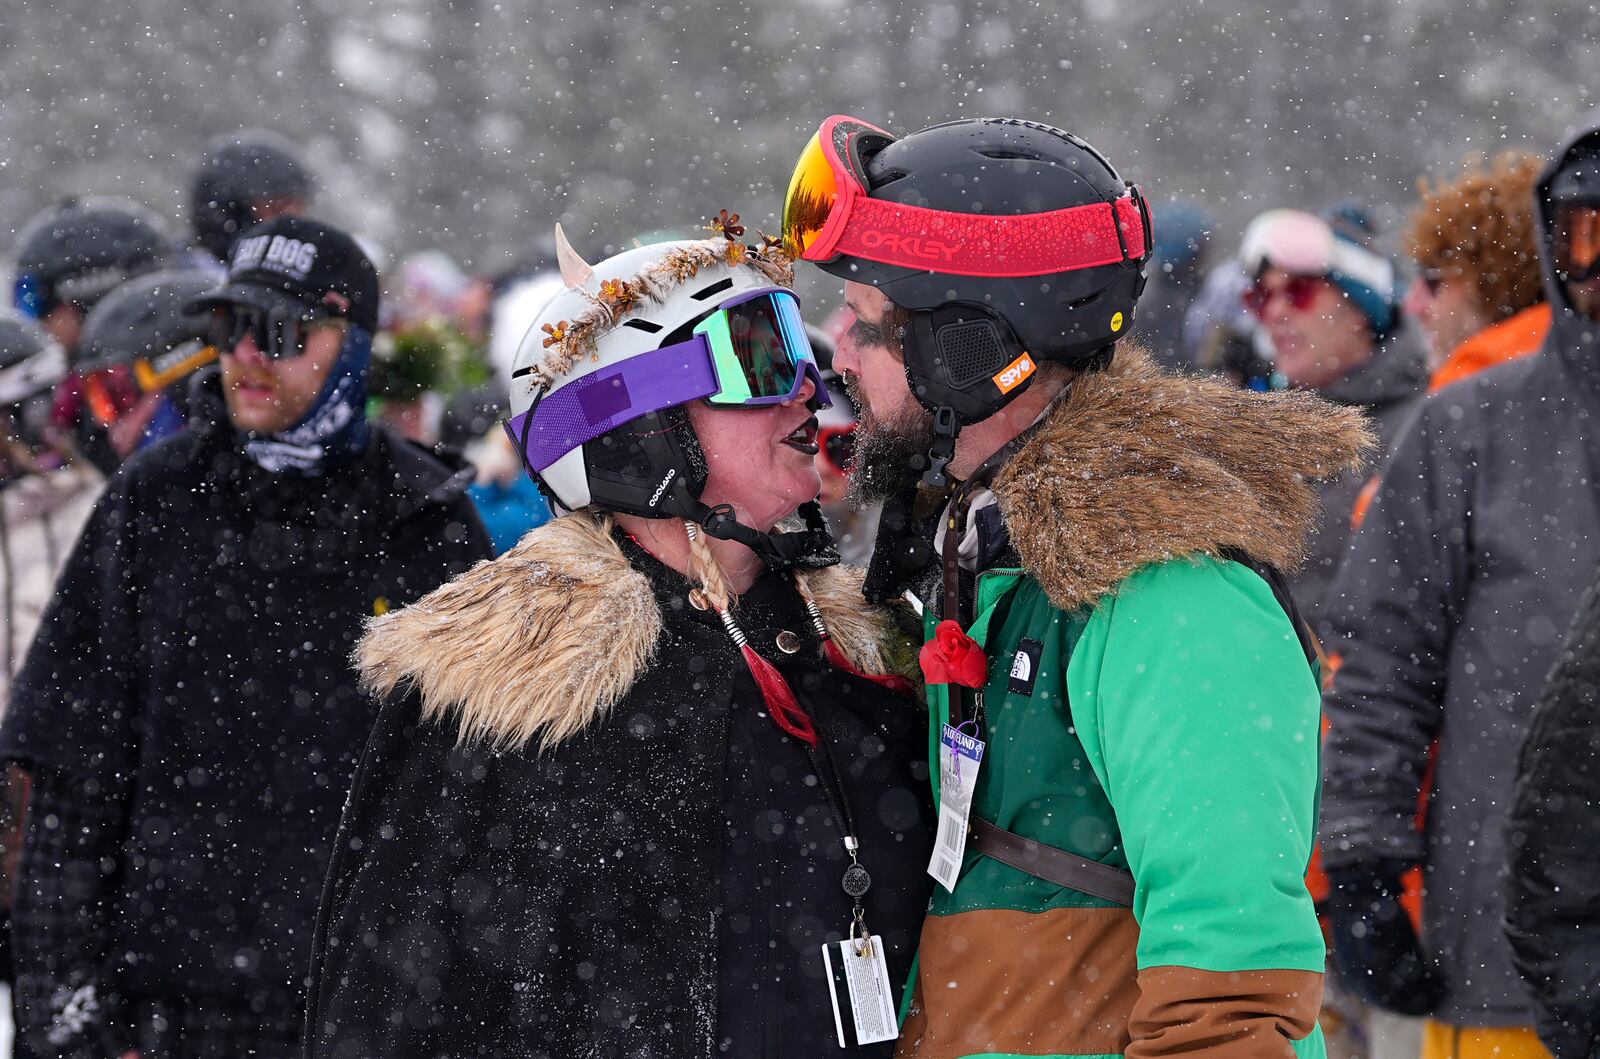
<point x="890" y="454"/>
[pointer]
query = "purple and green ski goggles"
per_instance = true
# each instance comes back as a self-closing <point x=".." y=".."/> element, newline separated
<point x="749" y="353"/>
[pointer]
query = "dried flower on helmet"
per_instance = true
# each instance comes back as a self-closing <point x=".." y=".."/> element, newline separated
<point x="558" y="334"/>
<point x="619" y="296"/>
<point x="727" y="225"/>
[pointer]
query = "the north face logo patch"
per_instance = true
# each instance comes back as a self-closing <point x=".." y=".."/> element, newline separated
<point x="1025" y="666"/>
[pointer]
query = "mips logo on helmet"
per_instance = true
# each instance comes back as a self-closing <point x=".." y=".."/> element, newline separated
<point x="1014" y="374"/>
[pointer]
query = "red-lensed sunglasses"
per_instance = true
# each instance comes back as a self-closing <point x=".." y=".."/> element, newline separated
<point x="838" y="446"/>
<point x="1300" y="290"/>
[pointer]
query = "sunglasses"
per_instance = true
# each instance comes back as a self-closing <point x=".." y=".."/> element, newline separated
<point x="838" y="446"/>
<point x="279" y="334"/>
<point x="1301" y="291"/>
<point x="829" y="213"/>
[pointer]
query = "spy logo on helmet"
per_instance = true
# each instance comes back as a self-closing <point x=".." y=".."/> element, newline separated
<point x="1015" y="373"/>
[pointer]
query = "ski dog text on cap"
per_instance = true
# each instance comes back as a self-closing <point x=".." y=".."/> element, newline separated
<point x="275" y="253"/>
<point x="310" y="261"/>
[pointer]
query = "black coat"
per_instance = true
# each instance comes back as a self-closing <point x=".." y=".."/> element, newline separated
<point x="625" y="889"/>
<point x="1553" y="835"/>
<point x="195" y="662"/>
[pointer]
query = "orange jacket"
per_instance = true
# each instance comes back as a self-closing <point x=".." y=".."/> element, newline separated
<point x="1514" y="337"/>
<point x="1507" y="340"/>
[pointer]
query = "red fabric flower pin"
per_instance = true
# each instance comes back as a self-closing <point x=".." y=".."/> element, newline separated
<point x="953" y="657"/>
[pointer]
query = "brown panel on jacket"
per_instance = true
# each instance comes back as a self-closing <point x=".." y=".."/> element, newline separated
<point x="1237" y="1014"/>
<point x="1047" y="983"/>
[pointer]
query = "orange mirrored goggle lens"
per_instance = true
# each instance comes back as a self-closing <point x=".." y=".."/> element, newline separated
<point x="813" y="190"/>
<point x="1580" y="226"/>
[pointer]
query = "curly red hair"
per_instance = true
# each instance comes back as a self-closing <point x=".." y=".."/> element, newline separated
<point x="1480" y="227"/>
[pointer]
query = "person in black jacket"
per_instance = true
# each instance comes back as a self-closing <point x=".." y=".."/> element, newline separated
<point x="187" y="713"/>
<point x="632" y="776"/>
<point x="1553" y="837"/>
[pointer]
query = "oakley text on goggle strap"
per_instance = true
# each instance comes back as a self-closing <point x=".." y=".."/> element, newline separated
<point x="748" y="353"/>
<point x="828" y="213"/>
<point x="279" y="334"/>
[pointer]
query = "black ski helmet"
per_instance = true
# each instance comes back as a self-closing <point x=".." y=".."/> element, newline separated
<point x="967" y="329"/>
<point x="31" y="363"/>
<point x="78" y="251"/>
<point x="147" y="324"/>
<point x="237" y="171"/>
<point x="975" y="340"/>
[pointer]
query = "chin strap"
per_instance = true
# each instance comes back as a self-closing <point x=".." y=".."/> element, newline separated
<point x="945" y="428"/>
<point x="809" y="549"/>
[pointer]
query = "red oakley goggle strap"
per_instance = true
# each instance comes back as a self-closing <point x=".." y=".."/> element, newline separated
<point x="966" y="244"/>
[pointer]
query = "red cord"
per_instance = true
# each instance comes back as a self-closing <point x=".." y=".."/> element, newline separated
<point x="780" y="699"/>
<point x="890" y="682"/>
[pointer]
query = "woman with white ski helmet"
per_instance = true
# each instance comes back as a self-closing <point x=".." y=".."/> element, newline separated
<point x="645" y="784"/>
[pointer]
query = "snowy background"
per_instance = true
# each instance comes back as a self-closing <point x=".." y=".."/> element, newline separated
<point x="470" y="124"/>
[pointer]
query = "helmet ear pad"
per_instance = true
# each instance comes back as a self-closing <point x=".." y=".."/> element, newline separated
<point x="651" y="466"/>
<point x="967" y="358"/>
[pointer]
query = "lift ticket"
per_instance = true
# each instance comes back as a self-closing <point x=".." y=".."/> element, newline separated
<point x="959" y="757"/>
<point x="858" y="974"/>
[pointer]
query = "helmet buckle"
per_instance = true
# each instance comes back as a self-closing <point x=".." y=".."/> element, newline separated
<point x="943" y="449"/>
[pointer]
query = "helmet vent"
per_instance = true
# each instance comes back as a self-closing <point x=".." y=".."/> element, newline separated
<point x="715" y="288"/>
<point x="968" y="351"/>
<point x="1003" y="155"/>
<point x="642" y="325"/>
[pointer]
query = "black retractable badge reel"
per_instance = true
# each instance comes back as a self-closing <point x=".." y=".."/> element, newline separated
<point x="864" y="1011"/>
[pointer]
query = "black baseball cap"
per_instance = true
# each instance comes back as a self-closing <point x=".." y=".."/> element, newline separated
<point x="297" y="264"/>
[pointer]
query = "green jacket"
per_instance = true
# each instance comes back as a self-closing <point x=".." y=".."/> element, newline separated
<point x="1166" y="723"/>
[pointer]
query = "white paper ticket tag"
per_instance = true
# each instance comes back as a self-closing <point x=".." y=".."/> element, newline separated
<point x="959" y="757"/>
<point x="858" y="975"/>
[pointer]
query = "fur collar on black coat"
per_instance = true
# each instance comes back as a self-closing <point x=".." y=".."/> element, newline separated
<point x="528" y="863"/>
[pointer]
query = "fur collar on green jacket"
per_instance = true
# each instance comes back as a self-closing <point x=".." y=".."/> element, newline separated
<point x="1137" y="465"/>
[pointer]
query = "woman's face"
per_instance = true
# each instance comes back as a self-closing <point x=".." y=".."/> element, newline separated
<point x="760" y="460"/>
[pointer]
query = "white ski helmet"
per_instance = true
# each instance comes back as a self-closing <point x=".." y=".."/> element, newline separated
<point x="600" y="380"/>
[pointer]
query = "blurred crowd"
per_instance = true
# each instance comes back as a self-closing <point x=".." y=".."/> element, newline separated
<point x="1459" y="868"/>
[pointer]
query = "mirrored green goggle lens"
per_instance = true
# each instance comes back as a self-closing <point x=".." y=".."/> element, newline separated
<point x="759" y="348"/>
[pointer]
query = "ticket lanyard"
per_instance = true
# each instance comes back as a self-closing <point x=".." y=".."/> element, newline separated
<point x="856" y="880"/>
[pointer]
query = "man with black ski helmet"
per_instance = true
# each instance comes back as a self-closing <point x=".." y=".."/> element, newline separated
<point x="1127" y="794"/>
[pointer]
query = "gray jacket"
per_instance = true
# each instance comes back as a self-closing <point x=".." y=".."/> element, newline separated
<point x="1387" y="388"/>
<point x="1449" y="611"/>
